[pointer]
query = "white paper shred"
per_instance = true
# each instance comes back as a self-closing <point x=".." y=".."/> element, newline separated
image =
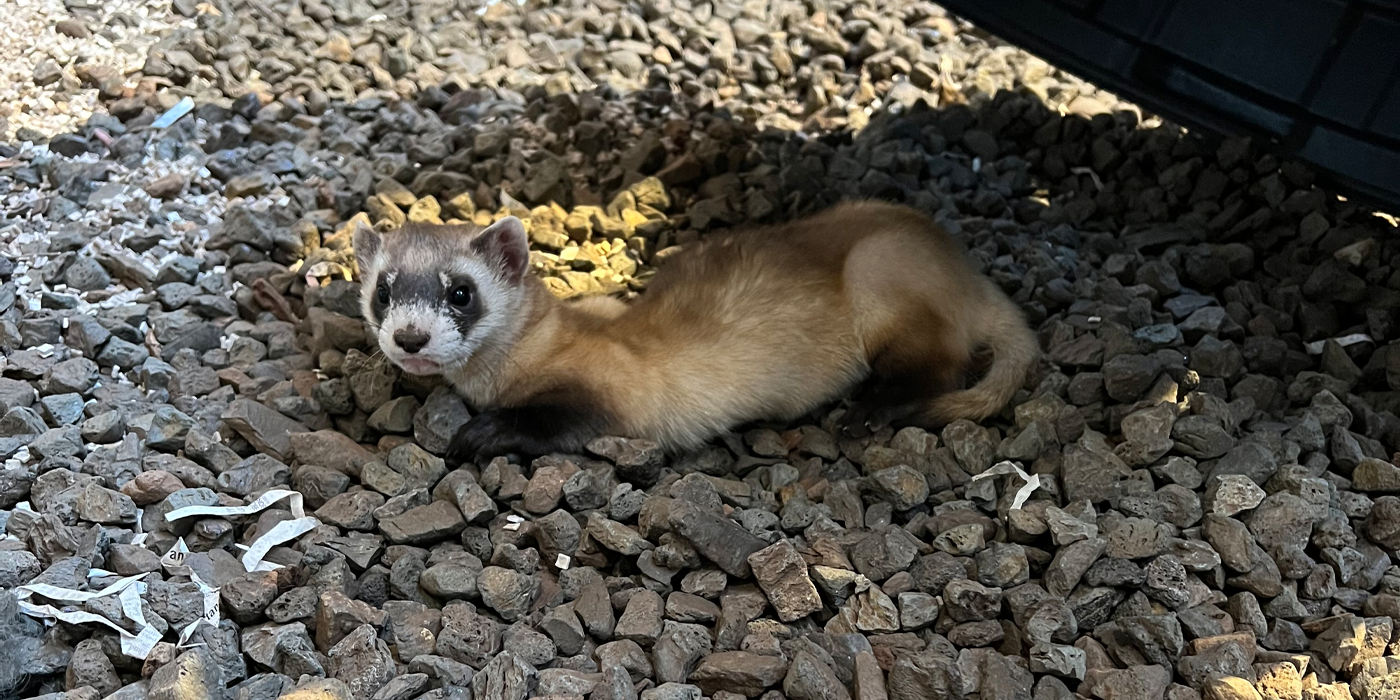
<point x="174" y="564"/>
<point x="284" y="531"/>
<point x="140" y="645"/>
<point x="1081" y="170"/>
<point x="173" y="561"/>
<point x="172" y="115"/>
<point x="1007" y="468"/>
<point x="210" y="616"/>
<point x="129" y="592"/>
<point x="261" y="504"/>
<point x="1315" y="347"/>
<point x="562" y="561"/>
<point x="68" y="595"/>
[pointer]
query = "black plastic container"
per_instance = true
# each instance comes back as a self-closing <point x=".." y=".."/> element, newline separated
<point x="1319" y="79"/>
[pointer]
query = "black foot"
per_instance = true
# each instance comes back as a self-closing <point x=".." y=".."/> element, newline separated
<point x="862" y="419"/>
<point x="482" y="437"/>
<point x="855" y="423"/>
<point x="529" y="431"/>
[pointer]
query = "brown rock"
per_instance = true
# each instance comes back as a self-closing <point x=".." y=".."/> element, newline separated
<point x="782" y="574"/>
<point x="151" y="487"/>
<point x="546" y="486"/>
<point x="167" y="187"/>
<point x="328" y="448"/>
<point x="869" y="679"/>
<point x="641" y="621"/>
<point x="425" y="524"/>
<point x="1230" y="688"/>
<point x="738" y="672"/>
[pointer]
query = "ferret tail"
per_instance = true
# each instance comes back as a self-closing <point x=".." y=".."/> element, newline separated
<point x="1015" y="350"/>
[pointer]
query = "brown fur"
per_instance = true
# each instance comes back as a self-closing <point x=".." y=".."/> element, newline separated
<point x="769" y="323"/>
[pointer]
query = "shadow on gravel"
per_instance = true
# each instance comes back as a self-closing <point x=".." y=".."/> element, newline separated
<point x="1165" y="236"/>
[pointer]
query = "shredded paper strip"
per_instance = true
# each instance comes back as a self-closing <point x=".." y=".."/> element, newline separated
<point x="1007" y="468"/>
<point x="130" y="589"/>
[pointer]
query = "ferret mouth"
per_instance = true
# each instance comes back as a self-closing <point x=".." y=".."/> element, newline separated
<point x="419" y="365"/>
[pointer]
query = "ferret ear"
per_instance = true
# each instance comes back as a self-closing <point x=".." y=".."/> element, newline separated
<point x="366" y="242"/>
<point x="506" y="247"/>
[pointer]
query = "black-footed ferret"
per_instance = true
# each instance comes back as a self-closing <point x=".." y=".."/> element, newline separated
<point x="759" y="323"/>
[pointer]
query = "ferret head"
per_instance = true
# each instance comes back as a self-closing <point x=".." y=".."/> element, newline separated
<point x="439" y="294"/>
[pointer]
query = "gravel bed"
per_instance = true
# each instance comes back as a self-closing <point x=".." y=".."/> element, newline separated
<point x="58" y="59"/>
<point x="1194" y="496"/>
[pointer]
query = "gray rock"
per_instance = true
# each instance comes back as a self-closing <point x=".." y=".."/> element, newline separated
<point x="506" y="677"/>
<point x="562" y="626"/>
<point x="267" y="430"/>
<point x="17" y="567"/>
<point x="90" y="667"/>
<point x="450" y="581"/>
<point x="1282" y="518"/>
<point x="1002" y="565"/>
<point x="925" y="676"/>
<point x="967" y="601"/>
<point x="351" y="511"/>
<point x="1090" y="471"/>
<point x="434" y="424"/>
<point x="1231" y="494"/>
<point x="75" y="376"/>
<point x="615" y="536"/>
<point x="362" y="661"/>
<point x="718" y="539"/>
<point x="509" y="593"/>
<point x="809" y="678"/>
<point x="884" y="553"/>
<point x="973" y="445"/>
<point x="1383" y="523"/>
<point x="1070" y="563"/>
<point x="62" y="409"/>
<point x="917" y="610"/>
<point x="254" y="475"/>
<point x="1166" y="582"/>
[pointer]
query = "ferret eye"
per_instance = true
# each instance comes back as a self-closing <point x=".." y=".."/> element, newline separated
<point x="383" y="293"/>
<point x="461" y="296"/>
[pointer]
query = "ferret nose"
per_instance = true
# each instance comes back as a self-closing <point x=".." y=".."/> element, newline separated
<point x="410" y="339"/>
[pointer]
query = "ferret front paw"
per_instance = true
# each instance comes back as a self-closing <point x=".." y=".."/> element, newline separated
<point x="529" y="431"/>
<point x="484" y="436"/>
<point x="855" y="423"/>
<point x="865" y="417"/>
